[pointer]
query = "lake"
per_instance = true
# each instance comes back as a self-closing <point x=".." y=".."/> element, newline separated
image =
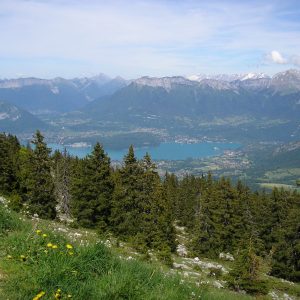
<point x="165" y="151"/>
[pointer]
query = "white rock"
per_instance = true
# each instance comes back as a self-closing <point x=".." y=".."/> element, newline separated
<point x="287" y="297"/>
<point x="226" y="256"/>
<point x="181" y="266"/>
<point x="218" y="284"/>
<point x="181" y="250"/>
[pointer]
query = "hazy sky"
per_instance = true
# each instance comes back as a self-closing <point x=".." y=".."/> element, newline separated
<point x="70" y="38"/>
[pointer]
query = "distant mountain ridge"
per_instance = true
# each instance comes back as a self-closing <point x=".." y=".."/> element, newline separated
<point x="173" y="102"/>
<point x="275" y="96"/>
<point x="182" y="105"/>
<point x="289" y="79"/>
<point x="58" y="94"/>
<point x="228" y="77"/>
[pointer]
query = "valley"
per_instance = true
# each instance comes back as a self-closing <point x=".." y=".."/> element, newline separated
<point x="259" y="112"/>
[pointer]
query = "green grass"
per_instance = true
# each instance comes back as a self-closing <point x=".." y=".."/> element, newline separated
<point x="28" y="267"/>
<point x="282" y="287"/>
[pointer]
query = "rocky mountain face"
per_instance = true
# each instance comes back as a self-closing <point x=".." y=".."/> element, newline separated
<point x="288" y="81"/>
<point x="228" y="77"/>
<point x="58" y="94"/>
<point x="178" y="97"/>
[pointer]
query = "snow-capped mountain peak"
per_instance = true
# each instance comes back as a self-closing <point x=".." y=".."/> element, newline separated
<point x="164" y="82"/>
<point x="254" y="76"/>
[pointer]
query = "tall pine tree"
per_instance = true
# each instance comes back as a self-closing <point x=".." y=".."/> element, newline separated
<point x="39" y="184"/>
<point x="126" y="217"/>
<point x="92" y="190"/>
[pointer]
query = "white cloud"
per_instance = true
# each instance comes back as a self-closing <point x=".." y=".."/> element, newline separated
<point x="277" y="57"/>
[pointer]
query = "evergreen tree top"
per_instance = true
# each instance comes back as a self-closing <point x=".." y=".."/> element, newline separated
<point x="98" y="153"/>
<point x="130" y="158"/>
<point x="40" y="145"/>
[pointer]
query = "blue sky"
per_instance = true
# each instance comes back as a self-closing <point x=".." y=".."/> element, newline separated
<point x="132" y="38"/>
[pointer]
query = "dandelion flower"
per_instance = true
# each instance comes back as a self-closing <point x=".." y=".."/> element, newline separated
<point x="38" y="231"/>
<point x="58" y="294"/>
<point x="39" y="295"/>
<point x="9" y="256"/>
<point x="54" y="246"/>
<point x="44" y="235"/>
<point x="49" y="245"/>
<point x="69" y="246"/>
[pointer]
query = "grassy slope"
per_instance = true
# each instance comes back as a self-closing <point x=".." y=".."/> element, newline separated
<point x="28" y="267"/>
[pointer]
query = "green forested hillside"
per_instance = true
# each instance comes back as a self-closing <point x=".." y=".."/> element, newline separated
<point x="134" y="204"/>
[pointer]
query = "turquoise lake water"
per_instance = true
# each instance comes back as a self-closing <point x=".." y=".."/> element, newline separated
<point x="165" y="151"/>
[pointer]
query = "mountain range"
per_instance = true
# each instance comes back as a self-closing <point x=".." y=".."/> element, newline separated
<point x="58" y="94"/>
<point x="175" y="103"/>
<point x="179" y="97"/>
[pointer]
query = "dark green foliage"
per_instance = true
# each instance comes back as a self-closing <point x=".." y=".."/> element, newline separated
<point x="92" y="190"/>
<point x="247" y="272"/>
<point x="126" y="211"/>
<point x="62" y="182"/>
<point x="40" y="187"/>
<point x="9" y="148"/>
<point x="141" y="210"/>
<point x="286" y="257"/>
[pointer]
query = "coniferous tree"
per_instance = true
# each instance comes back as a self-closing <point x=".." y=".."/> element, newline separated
<point x="205" y="238"/>
<point x="92" y="190"/>
<point x="62" y="178"/>
<point x="246" y="273"/>
<point x="9" y="148"/>
<point x="170" y="184"/>
<point x="39" y="183"/>
<point x="286" y="256"/>
<point x="126" y="207"/>
<point x="189" y="193"/>
<point x="156" y="209"/>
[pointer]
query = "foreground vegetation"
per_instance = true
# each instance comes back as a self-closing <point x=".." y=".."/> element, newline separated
<point x="39" y="264"/>
<point x="134" y="204"/>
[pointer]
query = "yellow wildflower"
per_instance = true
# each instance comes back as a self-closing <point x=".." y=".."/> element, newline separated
<point x="69" y="296"/>
<point x="44" y="235"/>
<point x="69" y="246"/>
<point x="38" y="231"/>
<point x="39" y="295"/>
<point x="9" y="256"/>
<point x="23" y="257"/>
<point x="54" y="246"/>
<point x="49" y="245"/>
<point x="58" y="294"/>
